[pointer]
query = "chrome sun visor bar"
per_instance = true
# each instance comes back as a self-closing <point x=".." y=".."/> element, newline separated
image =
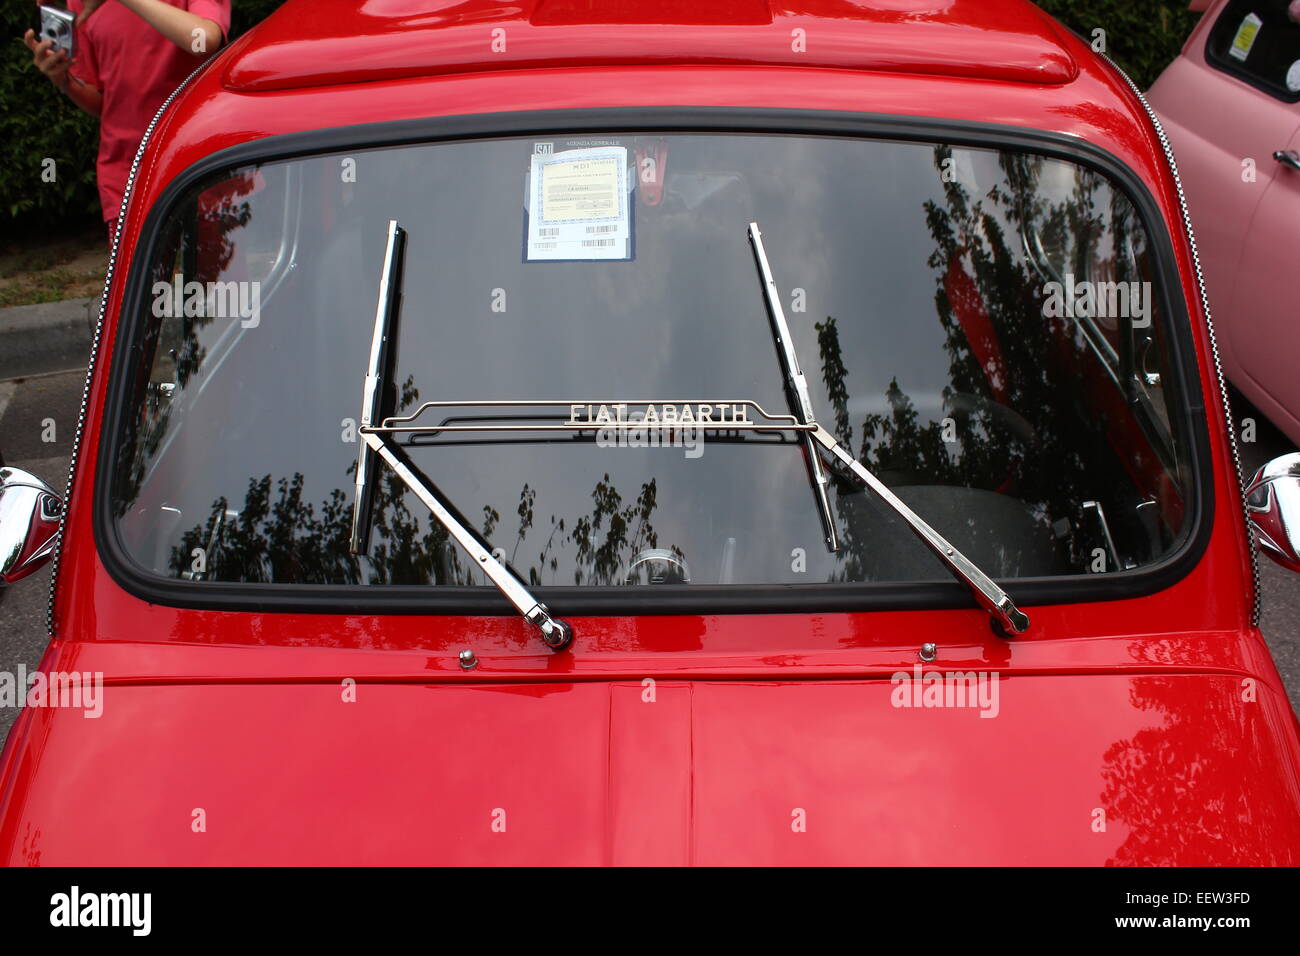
<point x="615" y="415"/>
<point x="992" y="598"/>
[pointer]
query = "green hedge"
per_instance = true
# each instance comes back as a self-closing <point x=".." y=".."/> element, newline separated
<point x="37" y="122"/>
<point x="1142" y="36"/>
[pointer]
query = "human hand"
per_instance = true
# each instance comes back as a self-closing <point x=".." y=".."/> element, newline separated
<point x="52" y="62"/>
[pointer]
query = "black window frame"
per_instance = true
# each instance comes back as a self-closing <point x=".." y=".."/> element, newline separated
<point x="1235" y="68"/>
<point x="626" y="601"/>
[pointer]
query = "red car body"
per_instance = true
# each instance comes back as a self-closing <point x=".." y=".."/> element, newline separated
<point x="1162" y="716"/>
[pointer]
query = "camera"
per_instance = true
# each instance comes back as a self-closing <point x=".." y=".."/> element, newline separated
<point x="56" y="25"/>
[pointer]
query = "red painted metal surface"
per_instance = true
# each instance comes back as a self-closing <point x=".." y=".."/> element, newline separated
<point x="1164" y="712"/>
<point x="398" y="39"/>
<point x="709" y="772"/>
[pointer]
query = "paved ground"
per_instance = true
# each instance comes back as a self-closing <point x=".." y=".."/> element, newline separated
<point x="24" y="404"/>
<point x="36" y="390"/>
<point x="46" y="337"/>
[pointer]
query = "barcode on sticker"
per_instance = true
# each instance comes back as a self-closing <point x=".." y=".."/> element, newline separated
<point x="597" y="243"/>
<point x="597" y="230"/>
<point x="545" y="245"/>
<point x="549" y="233"/>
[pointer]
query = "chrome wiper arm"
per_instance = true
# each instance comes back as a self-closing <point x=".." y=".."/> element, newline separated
<point x="796" y="385"/>
<point x="991" y="597"/>
<point x="555" y="633"/>
<point x="994" y="600"/>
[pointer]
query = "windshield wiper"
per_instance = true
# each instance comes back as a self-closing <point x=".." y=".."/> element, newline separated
<point x="797" y="386"/>
<point x="377" y="398"/>
<point x="377" y="428"/>
<point x="377" y="394"/>
<point x="991" y="597"/>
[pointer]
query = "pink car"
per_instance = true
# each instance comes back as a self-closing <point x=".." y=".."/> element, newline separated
<point x="1230" y="104"/>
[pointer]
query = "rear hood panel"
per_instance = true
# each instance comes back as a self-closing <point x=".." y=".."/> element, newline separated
<point x="1180" y="769"/>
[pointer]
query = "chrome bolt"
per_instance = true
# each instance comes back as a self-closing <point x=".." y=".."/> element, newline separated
<point x="929" y="652"/>
<point x="468" y="660"/>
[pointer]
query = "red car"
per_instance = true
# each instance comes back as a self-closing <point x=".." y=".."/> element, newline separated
<point x="710" y="433"/>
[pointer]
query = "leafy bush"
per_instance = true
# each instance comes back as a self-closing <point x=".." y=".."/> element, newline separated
<point x="1143" y="38"/>
<point x="38" y="122"/>
<point x="245" y="14"/>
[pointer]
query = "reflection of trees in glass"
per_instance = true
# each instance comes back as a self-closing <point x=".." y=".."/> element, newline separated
<point x="277" y="536"/>
<point x="628" y="532"/>
<point x="207" y="254"/>
<point x="199" y="248"/>
<point x="1004" y="354"/>
<point x="284" y="538"/>
<point x="1184" y="788"/>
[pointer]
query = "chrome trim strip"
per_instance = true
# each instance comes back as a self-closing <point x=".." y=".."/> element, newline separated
<point x="1209" y="325"/>
<point x="403" y="424"/>
<point x="99" y="335"/>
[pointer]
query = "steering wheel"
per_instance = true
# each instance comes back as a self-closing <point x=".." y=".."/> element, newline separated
<point x="658" y="566"/>
<point x="965" y="403"/>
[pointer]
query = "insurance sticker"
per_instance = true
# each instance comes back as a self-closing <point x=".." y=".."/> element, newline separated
<point x="1245" y="38"/>
<point x="578" y="205"/>
<point x="1293" y="77"/>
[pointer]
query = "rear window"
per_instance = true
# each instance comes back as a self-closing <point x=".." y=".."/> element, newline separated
<point x="983" y="328"/>
<point x="1258" y="41"/>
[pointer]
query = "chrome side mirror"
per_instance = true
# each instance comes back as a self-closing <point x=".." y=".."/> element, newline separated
<point x="1273" y="506"/>
<point x="30" y="513"/>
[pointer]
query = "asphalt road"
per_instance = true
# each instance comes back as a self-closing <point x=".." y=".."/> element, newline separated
<point x="28" y="406"/>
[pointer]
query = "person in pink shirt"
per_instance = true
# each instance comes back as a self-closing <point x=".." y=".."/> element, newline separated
<point x="130" y="56"/>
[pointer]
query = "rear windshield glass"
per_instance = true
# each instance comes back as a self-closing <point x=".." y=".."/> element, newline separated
<point x="981" y="328"/>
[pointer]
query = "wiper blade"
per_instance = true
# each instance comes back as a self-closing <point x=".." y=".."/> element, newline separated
<point x="991" y="597"/>
<point x="377" y="393"/>
<point x="555" y="633"/>
<point x="797" y="386"/>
